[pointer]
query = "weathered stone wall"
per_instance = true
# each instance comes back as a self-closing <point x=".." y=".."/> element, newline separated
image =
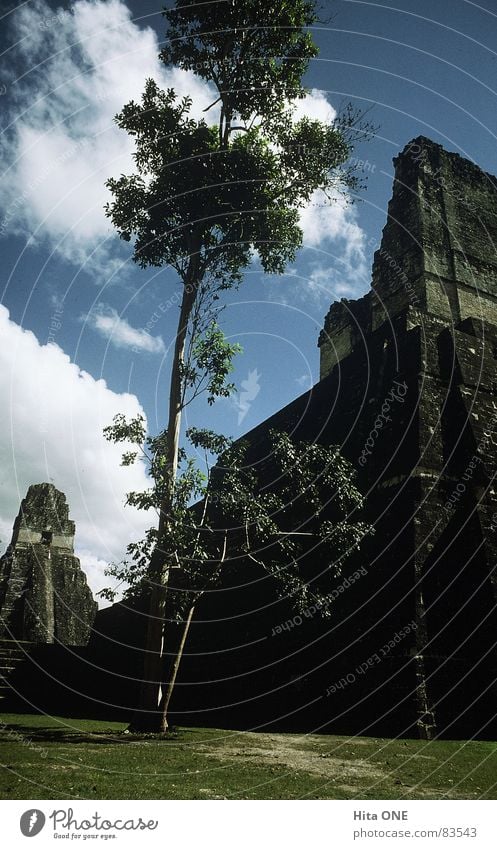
<point x="438" y="251"/>
<point x="408" y="390"/>
<point x="44" y="596"/>
<point x="435" y="283"/>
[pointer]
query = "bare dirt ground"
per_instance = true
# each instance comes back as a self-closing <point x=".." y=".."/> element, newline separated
<point x="295" y="754"/>
<point x="309" y="754"/>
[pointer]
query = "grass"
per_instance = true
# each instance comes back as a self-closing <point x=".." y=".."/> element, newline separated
<point x="46" y="757"/>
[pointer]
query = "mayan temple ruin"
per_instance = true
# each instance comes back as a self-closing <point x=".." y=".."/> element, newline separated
<point x="428" y="463"/>
<point x="408" y="389"/>
<point x="44" y="596"/>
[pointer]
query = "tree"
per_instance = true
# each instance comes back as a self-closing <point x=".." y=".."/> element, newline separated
<point x="204" y="198"/>
<point x="303" y="499"/>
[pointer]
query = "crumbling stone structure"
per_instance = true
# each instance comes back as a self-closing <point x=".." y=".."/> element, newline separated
<point x="408" y="389"/>
<point x="44" y="596"/>
<point x="428" y="465"/>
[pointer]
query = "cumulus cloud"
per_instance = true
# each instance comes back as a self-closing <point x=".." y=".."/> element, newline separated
<point x="331" y="224"/>
<point x="78" y="68"/>
<point x="315" y="105"/>
<point x="53" y="414"/>
<point x="323" y="221"/>
<point x="334" y="264"/>
<point x="326" y="280"/>
<point x="332" y="228"/>
<point x="334" y="220"/>
<point x="119" y="332"/>
<point x="73" y="72"/>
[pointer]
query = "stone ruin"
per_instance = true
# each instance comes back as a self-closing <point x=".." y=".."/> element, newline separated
<point x="44" y="595"/>
<point x="408" y="388"/>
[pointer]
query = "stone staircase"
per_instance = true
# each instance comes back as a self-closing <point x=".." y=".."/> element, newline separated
<point x="12" y="655"/>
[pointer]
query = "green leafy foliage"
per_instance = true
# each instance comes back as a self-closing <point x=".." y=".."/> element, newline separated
<point x="204" y="199"/>
<point x="192" y="194"/>
<point x="220" y="191"/>
<point x="238" y="515"/>
<point x="255" y="52"/>
<point x="210" y="363"/>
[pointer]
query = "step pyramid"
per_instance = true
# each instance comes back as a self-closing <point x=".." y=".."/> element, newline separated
<point x="13" y="653"/>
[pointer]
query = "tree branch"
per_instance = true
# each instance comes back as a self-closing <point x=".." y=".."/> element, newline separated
<point x="212" y="104"/>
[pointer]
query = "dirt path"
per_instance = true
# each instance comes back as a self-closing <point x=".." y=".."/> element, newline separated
<point x="310" y="754"/>
<point x="297" y="753"/>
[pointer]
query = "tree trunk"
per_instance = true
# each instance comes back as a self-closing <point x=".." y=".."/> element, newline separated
<point x="174" y="670"/>
<point x="147" y="716"/>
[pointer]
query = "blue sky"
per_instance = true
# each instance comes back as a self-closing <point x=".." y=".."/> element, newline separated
<point x="89" y="333"/>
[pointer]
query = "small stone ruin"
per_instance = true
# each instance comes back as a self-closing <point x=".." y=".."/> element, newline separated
<point x="44" y="595"/>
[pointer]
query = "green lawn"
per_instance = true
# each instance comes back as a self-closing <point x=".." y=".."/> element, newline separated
<point x="46" y="757"/>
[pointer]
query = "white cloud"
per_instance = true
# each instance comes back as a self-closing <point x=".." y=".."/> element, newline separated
<point x="52" y="419"/>
<point x="334" y="221"/>
<point x="332" y="226"/>
<point x="107" y="321"/>
<point x="328" y="281"/>
<point x="334" y="264"/>
<point x="79" y="69"/>
<point x="339" y="266"/>
<point x="315" y="105"/>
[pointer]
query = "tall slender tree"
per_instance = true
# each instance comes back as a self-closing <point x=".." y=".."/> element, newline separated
<point x="205" y="197"/>
<point x="302" y="499"/>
